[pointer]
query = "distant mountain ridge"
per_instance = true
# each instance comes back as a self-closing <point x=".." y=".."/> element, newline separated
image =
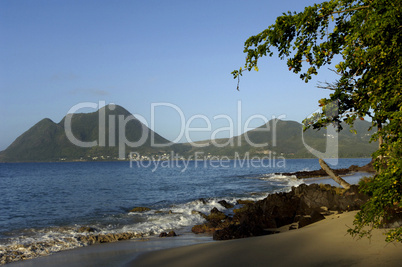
<point x="286" y="138"/>
<point x="48" y="141"/>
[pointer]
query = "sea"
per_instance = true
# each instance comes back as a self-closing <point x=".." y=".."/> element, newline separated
<point x="43" y="205"/>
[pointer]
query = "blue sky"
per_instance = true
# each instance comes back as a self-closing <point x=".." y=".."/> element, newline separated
<point x="56" y="54"/>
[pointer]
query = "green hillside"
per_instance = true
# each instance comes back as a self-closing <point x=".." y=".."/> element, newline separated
<point x="286" y="138"/>
<point x="47" y="140"/>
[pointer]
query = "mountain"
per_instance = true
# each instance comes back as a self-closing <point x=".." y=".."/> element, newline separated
<point x="286" y="138"/>
<point x="48" y="141"/>
<point x="114" y="130"/>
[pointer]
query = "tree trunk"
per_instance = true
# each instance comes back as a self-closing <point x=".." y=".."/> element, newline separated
<point x="335" y="177"/>
<point x="380" y="142"/>
<point x="379" y="128"/>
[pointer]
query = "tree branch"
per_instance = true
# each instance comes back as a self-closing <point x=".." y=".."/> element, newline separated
<point x="347" y="10"/>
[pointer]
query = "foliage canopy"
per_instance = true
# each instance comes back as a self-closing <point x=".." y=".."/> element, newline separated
<point x="364" y="40"/>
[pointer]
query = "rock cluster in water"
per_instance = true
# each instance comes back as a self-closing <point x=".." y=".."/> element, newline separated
<point x="301" y="206"/>
<point x="168" y="234"/>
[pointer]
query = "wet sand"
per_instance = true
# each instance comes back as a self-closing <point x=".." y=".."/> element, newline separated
<point x="110" y="254"/>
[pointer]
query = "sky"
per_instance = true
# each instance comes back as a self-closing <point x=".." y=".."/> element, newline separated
<point x="167" y="62"/>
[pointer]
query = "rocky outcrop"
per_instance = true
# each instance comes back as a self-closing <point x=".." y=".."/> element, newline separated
<point x="366" y="168"/>
<point x="105" y="238"/>
<point x="225" y="204"/>
<point x="216" y="220"/>
<point x="274" y="211"/>
<point x="321" y="173"/>
<point x="303" y="205"/>
<point x="315" y="173"/>
<point x="313" y="217"/>
<point x="236" y="231"/>
<point x="315" y="196"/>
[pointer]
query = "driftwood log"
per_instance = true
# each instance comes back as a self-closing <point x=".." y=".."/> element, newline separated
<point x="331" y="173"/>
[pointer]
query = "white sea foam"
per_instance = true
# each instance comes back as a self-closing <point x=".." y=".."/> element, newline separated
<point x="287" y="181"/>
<point x="177" y="217"/>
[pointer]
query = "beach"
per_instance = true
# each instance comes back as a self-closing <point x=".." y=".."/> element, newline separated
<point x="109" y="254"/>
<point x="324" y="243"/>
<point x="318" y="243"/>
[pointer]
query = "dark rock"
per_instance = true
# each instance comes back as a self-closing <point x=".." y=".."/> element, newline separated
<point x="170" y="234"/>
<point x="199" y="213"/>
<point x="203" y="201"/>
<point x="215" y="211"/>
<point x="321" y="173"/>
<point x="105" y="238"/>
<point x="316" y="216"/>
<point x="216" y="216"/>
<point x="216" y="220"/>
<point x="87" y="229"/>
<point x="366" y="168"/>
<point x="315" y="173"/>
<point x="163" y="234"/>
<point x="354" y="168"/>
<point x="140" y="209"/>
<point x="241" y="209"/>
<point x="243" y="202"/>
<point x="238" y="231"/>
<point x="225" y="204"/>
<point x="313" y="197"/>
<point x="274" y="211"/>
<point x="303" y="204"/>
<point x="304" y="220"/>
<point x="202" y="228"/>
<point x="211" y="227"/>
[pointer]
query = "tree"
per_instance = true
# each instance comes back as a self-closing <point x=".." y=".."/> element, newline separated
<point x="364" y="39"/>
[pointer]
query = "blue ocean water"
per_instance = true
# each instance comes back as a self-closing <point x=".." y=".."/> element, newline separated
<point x="44" y="201"/>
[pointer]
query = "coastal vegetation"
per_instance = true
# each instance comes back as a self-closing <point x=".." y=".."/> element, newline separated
<point x="363" y="39"/>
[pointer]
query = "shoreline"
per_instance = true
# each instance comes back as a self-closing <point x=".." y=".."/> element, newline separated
<point x="324" y="243"/>
<point x="110" y="254"/>
<point x="110" y="240"/>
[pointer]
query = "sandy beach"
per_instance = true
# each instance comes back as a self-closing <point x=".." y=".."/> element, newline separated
<point x="325" y="243"/>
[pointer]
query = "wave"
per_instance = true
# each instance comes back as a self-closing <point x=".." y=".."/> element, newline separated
<point x="180" y="217"/>
<point x="31" y="243"/>
<point x="287" y="181"/>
